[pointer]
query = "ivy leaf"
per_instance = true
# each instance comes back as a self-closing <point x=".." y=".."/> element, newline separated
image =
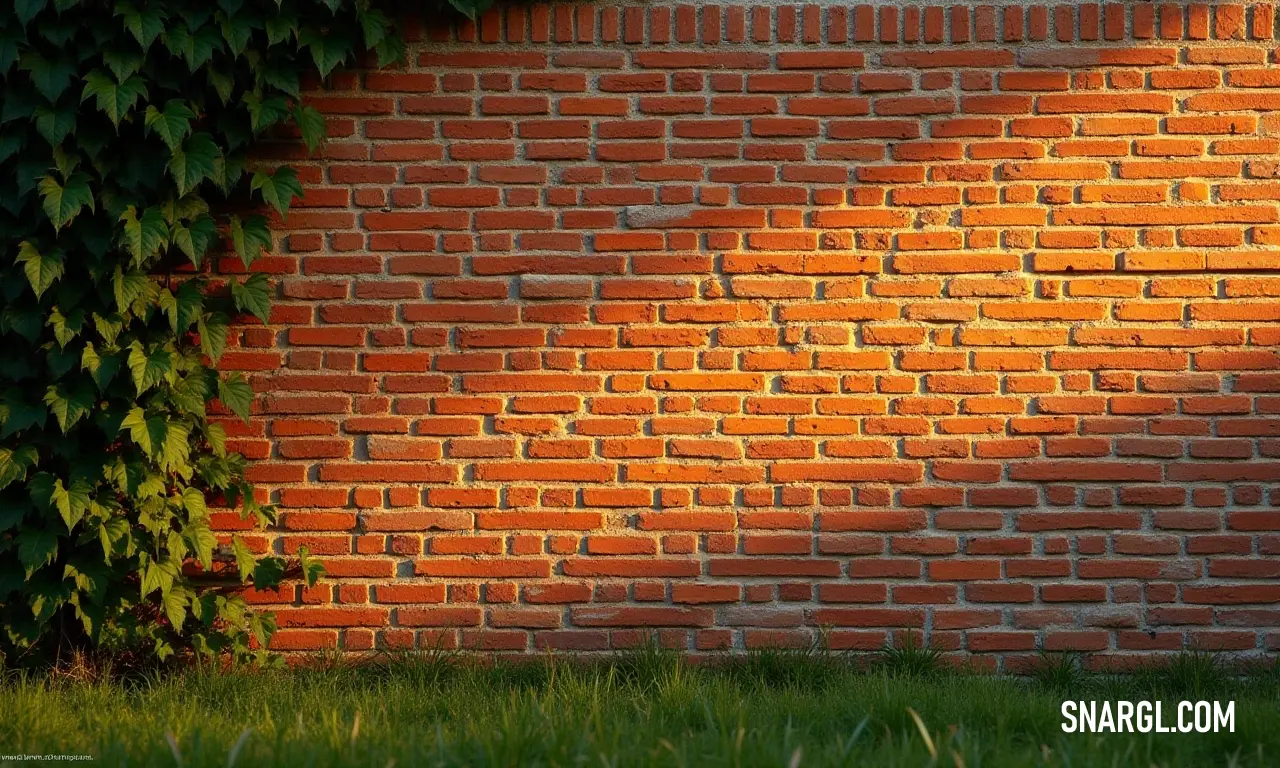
<point x="115" y="99"/>
<point x="62" y="202"/>
<point x="146" y="433"/>
<point x="109" y="326"/>
<point x="36" y="547"/>
<point x="311" y="124"/>
<point x="280" y="26"/>
<point x="65" y="327"/>
<point x="195" y="46"/>
<point x="130" y="288"/>
<point x="68" y="406"/>
<point x="112" y="532"/>
<point x="249" y="237"/>
<point x="213" y="330"/>
<point x="193" y="501"/>
<point x="146" y="235"/>
<point x="16" y="414"/>
<point x="284" y="78"/>
<point x="221" y="82"/>
<point x="374" y="24"/>
<point x="101" y="367"/>
<point x="54" y="123"/>
<point x="390" y="50"/>
<point x="72" y="502"/>
<point x="245" y="561"/>
<point x="149" y="368"/>
<point x="202" y="542"/>
<point x="268" y="573"/>
<point x="41" y="269"/>
<point x="236" y="394"/>
<point x="176" y="450"/>
<point x="253" y="296"/>
<point x="172" y="124"/>
<point x="194" y="238"/>
<point x="188" y="306"/>
<point x="123" y="62"/>
<point x="24" y="321"/>
<point x="145" y="25"/>
<point x="327" y="51"/>
<point x="279" y="188"/>
<point x="264" y="113"/>
<point x="236" y="30"/>
<point x="27" y="9"/>
<point x="9" y="40"/>
<point x="312" y="569"/>
<point x="217" y="439"/>
<point x="11" y="144"/>
<point x="194" y="161"/>
<point x="50" y="78"/>
<point x="191" y="392"/>
<point x="157" y="576"/>
<point x="471" y="8"/>
<point x="14" y="463"/>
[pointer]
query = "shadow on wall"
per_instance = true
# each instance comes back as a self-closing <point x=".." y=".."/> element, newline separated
<point x="736" y="322"/>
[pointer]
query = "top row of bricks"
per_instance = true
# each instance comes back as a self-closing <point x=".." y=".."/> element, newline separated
<point x="839" y="25"/>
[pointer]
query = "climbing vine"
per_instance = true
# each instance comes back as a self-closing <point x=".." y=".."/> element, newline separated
<point x="124" y="127"/>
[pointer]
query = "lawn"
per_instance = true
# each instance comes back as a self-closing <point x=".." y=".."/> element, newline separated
<point x="646" y="708"/>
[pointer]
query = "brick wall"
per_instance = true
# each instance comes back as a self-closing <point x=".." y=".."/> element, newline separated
<point x="746" y="324"/>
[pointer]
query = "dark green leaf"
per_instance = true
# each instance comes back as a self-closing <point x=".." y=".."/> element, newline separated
<point x="50" y="78"/>
<point x="16" y="414"/>
<point x="281" y="26"/>
<point x="113" y="98"/>
<point x="11" y="143"/>
<point x="264" y="113"/>
<point x="236" y="394"/>
<point x="311" y="124"/>
<point x="9" y="40"/>
<point x="37" y="546"/>
<point x="194" y="238"/>
<point x="213" y="330"/>
<point x="250" y="237"/>
<point x="172" y="124"/>
<point x="237" y="28"/>
<point x="189" y="306"/>
<point x="253" y="295"/>
<point x="268" y="572"/>
<point x="55" y="123"/>
<point x="62" y="202"/>
<point x="27" y="9"/>
<point x="327" y="50"/>
<point x="123" y="62"/>
<point x="145" y="25"/>
<point x="194" y="161"/>
<point x="278" y="189"/>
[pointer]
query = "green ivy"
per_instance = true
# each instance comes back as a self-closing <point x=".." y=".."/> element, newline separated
<point x="124" y="127"/>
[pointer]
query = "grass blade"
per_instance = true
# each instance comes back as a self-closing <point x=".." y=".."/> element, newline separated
<point x="924" y="733"/>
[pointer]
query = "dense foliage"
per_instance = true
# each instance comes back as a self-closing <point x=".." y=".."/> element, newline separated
<point x="123" y="137"/>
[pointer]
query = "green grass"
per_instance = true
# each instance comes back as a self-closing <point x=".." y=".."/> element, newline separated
<point x="644" y="708"/>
